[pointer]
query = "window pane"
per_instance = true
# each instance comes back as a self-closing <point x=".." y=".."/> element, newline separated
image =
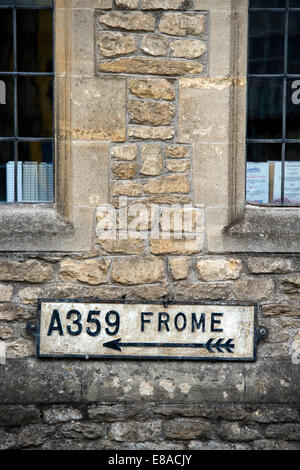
<point x="34" y="41"/>
<point x="264" y="152"/>
<point x="294" y="43"/>
<point x="6" y="41"/>
<point x="267" y="3"/>
<point x="35" y="101"/>
<point x="295" y="3"/>
<point x="292" y="176"/>
<point x="6" y="106"/>
<point x="265" y="108"/>
<point x="37" y="171"/>
<point x="7" y="172"/>
<point x="34" y="3"/>
<point x="266" y="42"/>
<point x="293" y="109"/>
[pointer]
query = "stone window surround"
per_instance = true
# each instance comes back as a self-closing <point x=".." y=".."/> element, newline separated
<point x="67" y="225"/>
<point x="231" y="224"/>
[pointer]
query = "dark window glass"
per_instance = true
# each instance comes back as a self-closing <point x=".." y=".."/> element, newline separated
<point x="7" y="172"/>
<point x="294" y="3"/>
<point x="34" y="40"/>
<point x="26" y="101"/>
<point x="294" y="43"/>
<point x="35" y="106"/>
<point x="264" y="152"/>
<point x="265" y="108"/>
<point x="267" y="3"/>
<point x="6" y="41"/>
<point x="6" y="106"/>
<point x="266" y="42"/>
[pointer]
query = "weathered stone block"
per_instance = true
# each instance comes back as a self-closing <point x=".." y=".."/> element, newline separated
<point x="61" y="414"/>
<point x="98" y="109"/>
<point x="127" y="189"/>
<point x="113" y="44"/>
<point x="179" y="267"/>
<point x="136" y="431"/>
<point x="127" y="4"/>
<point x="178" y="166"/>
<point x="124" y="170"/>
<point x="238" y="432"/>
<point x="253" y="289"/>
<point x="289" y="432"/>
<point x="269" y="265"/>
<point x="29" y="271"/>
<point x="148" y="132"/>
<point x="152" y="159"/>
<point x="126" y="247"/>
<point x="153" y="66"/>
<point x="16" y="415"/>
<point x="89" y="271"/>
<point x="81" y="430"/>
<point x="124" y="152"/>
<point x="131" y="21"/>
<point x="13" y="312"/>
<point x="150" y="112"/>
<point x="6" y="332"/>
<point x="168" y="184"/>
<point x="6" y="292"/>
<point x="187" y="48"/>
<point x="166" y="4"/>
<point x="176" y="151"/>
<point x="156" y="88"/>
<point x="156" y="45"/>
<point x="138" y="270"/>
<point x="182" y="24"/>
<point x="176" y="247"/>
<point x="185" y="429"/>
<point x="219" y="269"/>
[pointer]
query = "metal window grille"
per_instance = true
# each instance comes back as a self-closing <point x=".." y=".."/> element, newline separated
<point x="15" y="6"/>
<point x="285" y="7"/>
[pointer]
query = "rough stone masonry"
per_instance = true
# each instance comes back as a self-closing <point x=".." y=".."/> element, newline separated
<point x="139" y="65"/>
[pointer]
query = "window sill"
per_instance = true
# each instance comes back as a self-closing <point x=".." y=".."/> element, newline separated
<point x="39" y="227"/>
<point x="264" y="229"/>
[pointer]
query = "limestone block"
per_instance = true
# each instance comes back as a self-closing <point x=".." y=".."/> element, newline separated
<point x="152" y="160"/>
<point x="150" y="112"/>
<point x="113" y="44"/>
<point x="151" y="66"/>
<point x="187" y="48"/>
<point x="90" y="271"/>
<point x="165" y="4"/>
<point x="270" y="265"/>
<point x="250" y="289"/>
<point x="148" y="132"/>
<point x="179" y="267"/>
<point x="218" y="269"/>
<point x="176" y="247"/>
<point x="90" y="159"/>
<point x="178" y="166"/>
<point x="124" y="152"/>
<point x="154" y="44"/>
<point x="167" y="184"/>
<point x="204" y="110"/>
<point x="156" y="88"/>
<point x="6" y="292"/>
<point x="126" y="247"/>
<point x="98" y="109"/>
<point x="124" y="170"/>
<point x="182" y="24"/>
<point x="127" y="4"/>
<point x="138" y="270"/>
<point x="176" y="151"/>
<point x="127" y="189"/>
<point x="28" y="271"/>
<point x="131" y="21"/>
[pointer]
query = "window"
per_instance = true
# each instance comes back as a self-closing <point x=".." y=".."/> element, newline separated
<point x="273" y="126"/>
<point x="26" y="101"/>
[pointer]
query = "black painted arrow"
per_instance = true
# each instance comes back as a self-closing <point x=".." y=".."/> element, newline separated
<point x="117" y="345"/>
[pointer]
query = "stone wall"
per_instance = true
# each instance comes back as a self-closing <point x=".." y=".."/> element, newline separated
<point x="144" y="80"/>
